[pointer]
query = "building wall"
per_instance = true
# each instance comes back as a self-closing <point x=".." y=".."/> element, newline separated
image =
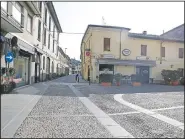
<point x="134" y="45"/>
<point x="32" y="40"/>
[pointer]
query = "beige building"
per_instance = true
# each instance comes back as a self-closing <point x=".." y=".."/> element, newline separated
<point x="117" y="50"/>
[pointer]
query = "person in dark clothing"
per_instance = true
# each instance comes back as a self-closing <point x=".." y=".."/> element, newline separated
<point x="77" y="78"/>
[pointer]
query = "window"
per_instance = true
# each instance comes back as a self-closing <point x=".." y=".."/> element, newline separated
<point x="18" y="13"/>
<point x="181" y="52"/>
<point x="143" y="50"/>
<point x="53" y="46"/>
<point x="39" y="29"/>
<point x="45" y="17"/>
<point x="49" y="23"/>
<point x="162" y="51"/>
<point x="44" y="40"/>
<point x="48" y="41"/>
<point x="4" y="6"/>
<point x="29" y="24"/>
<point x="40" y="7"/>
<point x="43" y="62"/>
<point x="54" y="31"/>
<point x="57" y="37"/>
<point x="106" y="44"/>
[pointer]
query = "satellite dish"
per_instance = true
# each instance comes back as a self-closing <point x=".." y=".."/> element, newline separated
<point x="14" y="41"/>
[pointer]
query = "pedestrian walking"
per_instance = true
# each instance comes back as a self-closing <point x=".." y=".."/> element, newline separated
<point x="77" y="78"/>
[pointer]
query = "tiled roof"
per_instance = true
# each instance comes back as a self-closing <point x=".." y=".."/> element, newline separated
<point x="146" y="36"/>
<point x="175" y="33"/>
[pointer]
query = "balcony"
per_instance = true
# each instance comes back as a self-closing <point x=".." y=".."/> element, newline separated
<point x="9" y="24"/>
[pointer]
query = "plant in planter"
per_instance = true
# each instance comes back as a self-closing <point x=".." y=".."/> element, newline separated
<point x="118" y="77"/>
<point x="182" y="81"/>
<point x="105" y="79"/>
<point x="135" y="80"/>
<point x="171" y="76"/>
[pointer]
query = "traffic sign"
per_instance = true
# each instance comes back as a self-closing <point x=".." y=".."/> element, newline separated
<point x="87" y="53"/>
<point x="9" y="57"/>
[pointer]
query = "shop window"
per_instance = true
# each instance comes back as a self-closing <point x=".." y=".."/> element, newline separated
<point x="106" y="44"/>
<point x="143" y="50"/>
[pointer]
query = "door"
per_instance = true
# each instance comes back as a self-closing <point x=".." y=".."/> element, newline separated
<point x="143" y="72"/>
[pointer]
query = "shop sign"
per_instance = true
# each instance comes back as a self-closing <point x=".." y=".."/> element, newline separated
<point x="126" y="52"/>
<point x="142" y="58"/>
<point x="108" y="56"/>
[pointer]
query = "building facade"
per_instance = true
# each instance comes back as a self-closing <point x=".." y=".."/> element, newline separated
<point x="37" y="30"/>
<point x="114" y="50"/>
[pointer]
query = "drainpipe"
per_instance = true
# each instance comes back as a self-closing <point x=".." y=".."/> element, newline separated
<point x="120" y="46"/>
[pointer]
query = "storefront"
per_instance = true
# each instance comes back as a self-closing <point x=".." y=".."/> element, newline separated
<point x="21" y="66"/>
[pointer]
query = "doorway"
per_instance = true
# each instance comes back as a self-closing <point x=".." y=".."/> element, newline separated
<point x="143" y="73"/>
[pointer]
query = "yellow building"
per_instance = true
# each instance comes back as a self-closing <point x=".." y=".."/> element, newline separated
<point x="116" y="50"/>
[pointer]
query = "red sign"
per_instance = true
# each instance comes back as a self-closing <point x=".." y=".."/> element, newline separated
<point x="87" y="53"/>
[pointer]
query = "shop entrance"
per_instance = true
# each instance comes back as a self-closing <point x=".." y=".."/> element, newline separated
<point x="143" y="73"/>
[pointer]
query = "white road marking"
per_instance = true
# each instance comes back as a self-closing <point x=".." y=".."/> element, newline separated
<point x="170" y="108"/>
<point x="118" y="97"/>
<point x="114" y="128"/>
<point x="160" y="109"/>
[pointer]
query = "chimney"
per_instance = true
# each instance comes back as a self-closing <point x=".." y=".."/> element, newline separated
<point x="144" y="32"/>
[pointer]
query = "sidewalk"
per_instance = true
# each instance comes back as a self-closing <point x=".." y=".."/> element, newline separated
<point x="16" y="106"/>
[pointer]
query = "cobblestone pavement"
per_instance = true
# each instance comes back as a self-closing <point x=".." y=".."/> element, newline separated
<point x="63" y="108"/>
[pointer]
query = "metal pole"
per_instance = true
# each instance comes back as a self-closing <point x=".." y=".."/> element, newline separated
<point x="0" y="66"/>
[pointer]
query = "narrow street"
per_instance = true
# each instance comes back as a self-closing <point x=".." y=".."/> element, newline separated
<point x="62" y="108"/>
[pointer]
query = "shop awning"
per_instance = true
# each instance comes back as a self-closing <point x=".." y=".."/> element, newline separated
<point x="127" y="62"/>
<point x="22" y="43"/>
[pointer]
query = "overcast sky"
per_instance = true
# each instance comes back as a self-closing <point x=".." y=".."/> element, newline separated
<point x="139" y="16"/>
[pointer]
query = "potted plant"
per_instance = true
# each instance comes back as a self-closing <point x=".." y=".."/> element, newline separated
<point x="105" y="79"/>
<point x="166" y="76"/>
<point x="171" y="77"/>
<point x="117" y="77"/>
<point x="175" y="77"/>
<point x="135" y="80"/>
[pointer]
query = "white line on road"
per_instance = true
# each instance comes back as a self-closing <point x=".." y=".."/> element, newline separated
<point x="170" y="108"/>
<point x="114" y="128"/>
<point x="160" y="109"/>
<point x="118" y="97"/>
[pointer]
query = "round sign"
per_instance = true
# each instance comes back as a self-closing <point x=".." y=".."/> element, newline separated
<point x="87" y="53"/>
<point x="126" y="52"/>
<point x="145" y="71"/>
